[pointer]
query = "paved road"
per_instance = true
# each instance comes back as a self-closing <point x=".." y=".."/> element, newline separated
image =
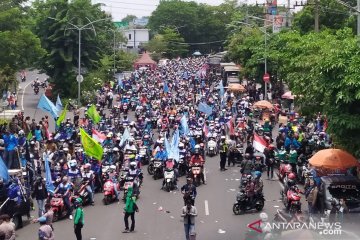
<point x="214" y="204"/>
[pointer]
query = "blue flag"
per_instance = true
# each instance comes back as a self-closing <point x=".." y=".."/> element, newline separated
<point x="176" y="139"/>
<point x="166" y="87"/>
<point x="184" y="125"/>
<point x="4" y="171"/>
<point x="203" y="107"/>
<point x="120" y="82"/>
<point x="222" y="90"/>
<point x="46" y="105"/>
<point x="49" y="184"/>
<point x="59" y="105"/>
<point x="192" y="143"/>
<point x="167" y="146"/>
<point x="125" y="137"/>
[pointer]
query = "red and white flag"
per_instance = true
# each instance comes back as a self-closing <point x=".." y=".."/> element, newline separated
<point x="100" y="137"/>
<point x="230" y="125"/>
<point x="206" y="130"/>
<point x="259" y="143"/>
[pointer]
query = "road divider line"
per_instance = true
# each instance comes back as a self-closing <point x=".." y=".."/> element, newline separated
<point x="22" y="97"/>
<point x="206" y="208"/>
<point x="204" y="172"/>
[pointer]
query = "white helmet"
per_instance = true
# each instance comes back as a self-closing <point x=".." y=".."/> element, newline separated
<point x="72" y="163"/>
<point x="115" y="149"/>
<point x="133" y="164"/>
<point x="112" y="167"/>
<point x="197" y="146"/>
<point x="181" y="144"/>
<point x="222" y="137"/>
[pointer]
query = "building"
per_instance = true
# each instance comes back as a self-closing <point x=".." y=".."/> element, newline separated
<point x="135" y="37"/>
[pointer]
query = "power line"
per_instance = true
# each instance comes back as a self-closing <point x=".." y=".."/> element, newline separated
<point x="200" y="43"/>
<point x="137" y="4"/>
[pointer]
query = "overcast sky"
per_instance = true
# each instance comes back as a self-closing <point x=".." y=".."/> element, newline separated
<point x="120" y="8"/>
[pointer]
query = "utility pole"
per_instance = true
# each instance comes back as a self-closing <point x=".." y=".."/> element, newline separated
<point x="265" y="61"/>
<point x="358" y="17"/>
<point x="317" y="15"/>
<point x="288" y="21"/>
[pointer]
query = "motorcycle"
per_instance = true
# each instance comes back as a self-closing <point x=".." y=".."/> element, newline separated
<point x="292" y="199"/>
<point x="196" y="174"/>
<point x="284" y="170"/>
<point x="155" y="169"/>
<point x="183" y="168"/>
<point x="58" y="207"/>
<point x="109" y="191"/>
<point x="36" y="90"/>
<point x="212" y="148"/>
<point x="82" y="193"/>
<point x="169" y="176"/>
<point x="242" y="203"/>
<point x="129" y="182"/>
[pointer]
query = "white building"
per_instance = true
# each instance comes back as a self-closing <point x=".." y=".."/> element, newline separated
<point x="135" y="37"/>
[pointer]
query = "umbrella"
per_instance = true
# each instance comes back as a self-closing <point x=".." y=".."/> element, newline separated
<point x="263" y="104"/>
<point x="288" y="95"/>
<point x="333" y="159"/>
<point x="236" y="87"/>
<point x="197" y="53"/>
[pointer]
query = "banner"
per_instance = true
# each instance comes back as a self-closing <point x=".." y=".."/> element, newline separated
<point x="93" y="114"/>
<point x="203" y="107"/>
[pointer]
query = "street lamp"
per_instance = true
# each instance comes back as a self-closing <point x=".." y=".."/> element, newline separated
<point x="79" y="77"/>
<point x="114" y="32"/>
<point x="265" y="51"/>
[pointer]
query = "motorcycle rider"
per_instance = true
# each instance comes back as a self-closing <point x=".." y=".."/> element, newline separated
<point x="250" y="189"/>
<point x="258" y="183"/>
<point x="135" y="173"/>
<point x="88" y="176"/>
<point x="130" y="146"/>
<point x="111" y="174"/>
<point x="289" y="183"/>
<point x="198" y="159"/>
<point x="189" y="191"/>
<point x="74" y="172"/>
<point x="64" y="189"/>
<point x="108" y="142"/>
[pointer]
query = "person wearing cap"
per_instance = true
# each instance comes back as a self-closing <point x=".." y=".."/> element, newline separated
<point x="189" y="191"/>
<point x="45" y="231"/>
<point x="7" y="227"/>
<point x="129" y="211"/>
<point x="78" y="218"/>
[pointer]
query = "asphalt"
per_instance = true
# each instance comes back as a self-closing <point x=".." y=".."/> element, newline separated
<point x="159" y="215"/>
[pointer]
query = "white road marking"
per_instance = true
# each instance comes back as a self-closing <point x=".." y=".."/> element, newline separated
<point x="204" y="174"/>
<point x="22" y="97"/>
<point x="207" y="208"/>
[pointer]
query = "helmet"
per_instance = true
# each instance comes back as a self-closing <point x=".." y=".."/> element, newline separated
<point x="223" y="137"/>
<point x="73" y="163"/>
<point x="113" y="167"/>
<point x="109" y="135"/>
<point x="87" y="166"/>
<point x="181" y="145"/>
<point x="66" y="149"/>
<point x="257" y="174"/>
<point x="115" y="149"/>
<point x="197" y="147"/>
<point x="79" y="201"/>
<point x="133" y="164"/>
<point x="291" y="176"/>
<point x="248" y="177"/>
<point x="42" y="219"/>
<point x="21" y="132"/>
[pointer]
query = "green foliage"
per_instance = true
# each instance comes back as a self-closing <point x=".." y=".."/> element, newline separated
<point x="60" y="40"/>
<point x="129" y="18"/>
<point x="196" y="23"/>
<point x="167" y="44"/>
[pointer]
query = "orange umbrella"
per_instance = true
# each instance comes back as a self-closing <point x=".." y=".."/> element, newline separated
<point x="236" y="87"/>
<point x="263" y="104"/>
<point x="333" y="159"/>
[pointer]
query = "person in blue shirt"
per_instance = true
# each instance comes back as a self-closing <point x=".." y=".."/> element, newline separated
<point x="10" y="143"/>
<point x="64" y="189"/>
<point x="161" y="154"/>
<point x="38" y="134"/>
<point x="291" y="141"/>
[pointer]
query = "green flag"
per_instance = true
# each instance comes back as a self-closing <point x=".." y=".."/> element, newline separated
<point x="29" y="136"/>
<point x="91" y="147"/>
<point x="62" y="116"/>
<point x="93" y="114"/>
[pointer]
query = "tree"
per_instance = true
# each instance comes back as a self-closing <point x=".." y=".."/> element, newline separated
<point x="168" y="44"/>
<point x="19" y="47"/>
<point x="60" y="40"/>
<point x="129" y="18"/>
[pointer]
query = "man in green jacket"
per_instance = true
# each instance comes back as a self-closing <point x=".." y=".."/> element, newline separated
<point x="78" y="218"/>
<point x="129" y="210"/>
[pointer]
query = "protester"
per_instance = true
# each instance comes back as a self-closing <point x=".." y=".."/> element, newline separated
<point x="78" y="218"/>
<point x="40" y="194"/>
<point x="189" y="212"/>
<point x="7" y="227"/>
<point x="129" y="211"/>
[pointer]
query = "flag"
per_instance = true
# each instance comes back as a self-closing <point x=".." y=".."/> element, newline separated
<point x="221" y="87"/>
<point x="49" y="184"/>
<point x="203" y="107"/>
<point x="93" y="114"/>
<point x="59" y="105"/>
<point x="205" y="130"/>
<point x="4" y="171"/>
<point x="192" y="143"/>
<point x="184" y="125"/>
<point x="231" y="128"/>
<point x="91" y="147"/>
<point x="167" y="146"/>
<point x="259" y="143"/>
<point x="176" y="139"/>
<point x="62" y="116"/>
<point x="120" y="82"/>
<point x="98" y="136"/>
<point x="46" y="105"/>
<point x="125" y="137"/>
<point x="29" y="136"/>
<point x="166" y="87"/>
